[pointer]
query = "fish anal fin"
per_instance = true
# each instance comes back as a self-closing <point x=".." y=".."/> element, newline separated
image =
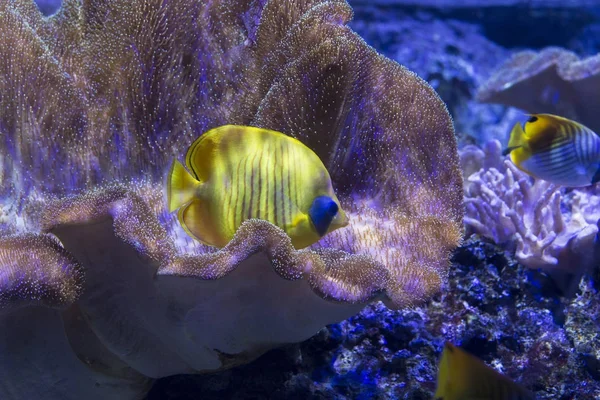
<point x="198" y="221"/>
<point x="181" y="186"/>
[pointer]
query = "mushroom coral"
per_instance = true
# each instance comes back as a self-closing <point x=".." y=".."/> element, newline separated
<point x="100" y="292"/>
<point x="552" y="80"/>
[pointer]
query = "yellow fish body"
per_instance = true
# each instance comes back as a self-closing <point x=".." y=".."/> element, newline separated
<point x="462" y="376"/>
<point x="242" y="172"/>
<point x="556" y="149"/>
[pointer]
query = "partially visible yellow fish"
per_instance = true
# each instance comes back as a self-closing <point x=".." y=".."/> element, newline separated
<point x="242" y="172"/>
<point x="556" y="149"/>
<point x="462" y="376"/>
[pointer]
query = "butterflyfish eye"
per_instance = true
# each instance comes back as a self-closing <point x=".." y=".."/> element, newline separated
<point x="533" y="118"/>
<point x="321" y="213"/>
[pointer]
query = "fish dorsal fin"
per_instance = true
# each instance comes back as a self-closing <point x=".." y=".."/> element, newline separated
<point x="540" y="128"/>
<point x="195" y="158"/>
<point x="200" y="156"/>
<point x="560" y="122"/>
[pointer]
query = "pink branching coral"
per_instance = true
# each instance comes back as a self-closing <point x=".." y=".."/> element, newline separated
<point x="97" y="100"/>
<point x="506" y="205"/>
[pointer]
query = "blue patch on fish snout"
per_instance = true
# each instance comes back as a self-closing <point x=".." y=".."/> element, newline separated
<point x="321" y="212"/>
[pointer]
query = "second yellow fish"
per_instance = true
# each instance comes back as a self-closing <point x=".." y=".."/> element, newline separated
<point x="557" y="150"/>
<point x="242" y="172"/>
<point x="462" y="376"/>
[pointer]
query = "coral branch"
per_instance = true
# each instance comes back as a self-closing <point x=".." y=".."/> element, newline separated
<point x="508" y="206"/>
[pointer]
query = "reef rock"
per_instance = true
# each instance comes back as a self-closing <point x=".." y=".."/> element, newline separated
<point x="453" y="56"/>
<point x="553" y="80"/>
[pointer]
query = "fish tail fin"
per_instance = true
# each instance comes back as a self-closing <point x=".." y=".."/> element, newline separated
<point x="181" y="186"/>
<point x="517" y="139"/>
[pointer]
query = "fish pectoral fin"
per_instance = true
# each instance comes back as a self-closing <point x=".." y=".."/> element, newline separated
<point x="198" y="221"/>
<point x="507" y="150"/>
<point x="297" y="226"/>
<point x="298" y="220"/>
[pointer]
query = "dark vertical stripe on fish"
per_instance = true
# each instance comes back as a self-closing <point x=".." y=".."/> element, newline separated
<point x="244" y="188"/>
<point x="274" y="166"/>
<point x="252" y="188"/>
<point x="296" y="201"/>
<point x="281" y="201"/>
<point x="289" y="182"/>
<point x="267" y="194"/>
<point x="229" y="174"/>
<point x="229" y="194"/>
<point x="259" y="171"/>
<point x="581" y="145"/>
<point x="237" y="185"/>
<point x="595" y="152"/>
<point x="588" y="150"/>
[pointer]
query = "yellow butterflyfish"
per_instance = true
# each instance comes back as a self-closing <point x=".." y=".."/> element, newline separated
<point x="241" y="172"/>
<point x="462" y="376"/>
<point x="556" y="149"/>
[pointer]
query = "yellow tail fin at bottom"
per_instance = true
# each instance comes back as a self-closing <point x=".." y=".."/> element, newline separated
<point x="181" y="186"/>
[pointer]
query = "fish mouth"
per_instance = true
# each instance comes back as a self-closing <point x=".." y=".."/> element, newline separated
<point x="341" y="219"/>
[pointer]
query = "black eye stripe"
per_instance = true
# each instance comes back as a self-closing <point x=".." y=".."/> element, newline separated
<point x="532" y="119"/>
